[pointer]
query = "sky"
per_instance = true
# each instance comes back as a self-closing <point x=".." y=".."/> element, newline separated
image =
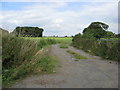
<point x="58" y="18"/>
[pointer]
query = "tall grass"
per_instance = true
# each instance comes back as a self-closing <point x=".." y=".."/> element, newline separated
<point x="19" y="58"/>
<point x="16" y="51"/>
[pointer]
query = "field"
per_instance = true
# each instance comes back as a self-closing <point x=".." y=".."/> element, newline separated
<point x="67" y="40"/>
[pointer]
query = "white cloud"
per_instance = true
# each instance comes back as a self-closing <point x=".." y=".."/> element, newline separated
<point x="66" y="22"/>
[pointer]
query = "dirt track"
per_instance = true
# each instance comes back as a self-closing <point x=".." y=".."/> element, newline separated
<point x="89" y="73"/>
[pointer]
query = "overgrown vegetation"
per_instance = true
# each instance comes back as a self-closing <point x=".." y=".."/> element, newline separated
<point x="76" y="55"/>
<point x="107" y="49"/>
<point x="22" y="57"/>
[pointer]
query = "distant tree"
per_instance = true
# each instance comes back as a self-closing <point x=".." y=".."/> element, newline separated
<point x="28" y="31"/>
<point x="95" y="30"/>
<point x="72" y="36"/>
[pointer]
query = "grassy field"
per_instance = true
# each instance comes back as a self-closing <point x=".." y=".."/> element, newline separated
<point x="66" y="40"/>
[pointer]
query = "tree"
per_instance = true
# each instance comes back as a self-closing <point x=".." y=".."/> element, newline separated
<point x="28" y="31"/>
<point x="96" y="30"/>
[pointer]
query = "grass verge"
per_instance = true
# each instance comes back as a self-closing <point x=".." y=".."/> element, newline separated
<point x="42" y="63"/>
<point x="76" y="55"/>
<point x="23" y="57"/>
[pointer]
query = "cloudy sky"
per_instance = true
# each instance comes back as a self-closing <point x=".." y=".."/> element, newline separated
<point x="59" y="18"/>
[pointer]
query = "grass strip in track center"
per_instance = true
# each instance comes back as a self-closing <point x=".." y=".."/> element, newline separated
<point x="76" y="55"/>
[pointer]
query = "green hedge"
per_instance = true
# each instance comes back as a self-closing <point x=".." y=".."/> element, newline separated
<point x="105" y="49"/>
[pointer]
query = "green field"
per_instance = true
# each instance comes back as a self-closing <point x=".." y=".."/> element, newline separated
<point x="66" y="40"/>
